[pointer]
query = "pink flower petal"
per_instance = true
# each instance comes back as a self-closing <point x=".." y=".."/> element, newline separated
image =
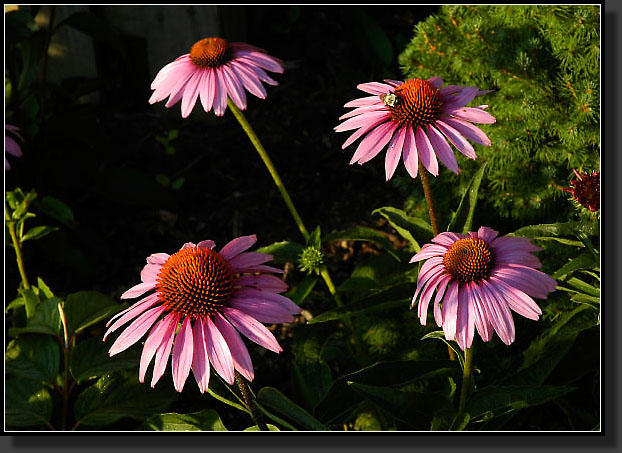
<point x="191" y="93"/>
<point x="247" y="260"/>
<point x="269" y="283"/>
<point x="442" y="148"/>
<point x="461" y="99"/>
<point x="364" y="129"/>
<point x="239" y="354"/>
<point x="238" y="245"/>
<point x="456" y="139"/>
<point x="363" y="120"/>
<point x="234" y="87"/>
<point x="182" y="355"/>
<point x="498" y="312"/>
<point x="409" y="155"/>
<point x="375" y="88"/>
<point x="163" y="351"/>
<point x="465" y="323"/>
<point x="158" y="258"/>
<point x="394" y="152"/>
<point x="218" y="351"/>
<point x="436" y="82"/>
<point x="474" y="115"/>
<point x="467" y="130"/>
<point x="262" y="311"/>
<point x="132" y="312"/>
<point x="426" y="151"/>
<point x="207" y="244"/>
<point x="517" y="300"/>
<point x="428" y="251"/>
<point x="220" y="97"/>
<point x="252" y="329"/>
<point x="208" y="89"/>
<point x="450" y="311"/>
<point x="138" y="290"/>
<point x="373" y="143"/>
<point x="378" y="107"/>
<point x="157" y="335"/>
<point x="254" y="294"/>
<point x="249" y="79"/>
<point x="447" y="238"/>
<point x="200" y="359"/>
<point x="440" y="292"/>
<point x="136" y="330"/>
<point x="362" y="102"/>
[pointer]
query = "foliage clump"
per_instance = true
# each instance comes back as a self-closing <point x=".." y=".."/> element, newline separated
<point x="543" y="63"/>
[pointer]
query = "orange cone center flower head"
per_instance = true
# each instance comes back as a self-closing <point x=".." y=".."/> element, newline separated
<point x="195" y="282"/>
<point x="469" y="260"/>
<point x="210" y="53"/>
<point x="415" y="103"/>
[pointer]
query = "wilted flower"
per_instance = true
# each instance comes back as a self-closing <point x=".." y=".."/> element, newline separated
<point x="213" y="295"/>
<point x="479" y="278"/>
<point x="585" y="190"/>
<point x="213" y="70"/>
<point x="415" y="118"/>
<point x="10" y="144"/>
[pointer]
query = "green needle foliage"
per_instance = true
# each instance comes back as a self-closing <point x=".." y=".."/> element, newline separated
<point x="543" y="63"/>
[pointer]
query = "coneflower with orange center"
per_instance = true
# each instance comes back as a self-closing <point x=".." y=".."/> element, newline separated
<point x="417" y="119"/>
<point x="199" y="302"/>
<point x="215" y="70"/>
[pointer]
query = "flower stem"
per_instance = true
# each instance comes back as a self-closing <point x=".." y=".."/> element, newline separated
<point x="17" y="247"/>
<point x="243" y="386"/>
<point x="269" y="165"/>
<point x="427" y="191"/>
<point x="467" y="380"/>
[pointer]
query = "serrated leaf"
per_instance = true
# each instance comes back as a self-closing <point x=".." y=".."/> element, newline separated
<point x="89" y="358"/>
<point x="33" y="356"/>
<point x="86" y="308"/>
<point x="27" y="403"/>
<point x="493" y="401"/>
<point x="413" y="229"/>
<point x="463" y="218"/>
<point x="272" y="398"/>
<point x="283" y="252"/>
<point x="116" y="396"/>
<point x="205" y="420"/>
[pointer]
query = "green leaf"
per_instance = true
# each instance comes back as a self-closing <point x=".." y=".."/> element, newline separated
<point x="256" y="428"/>
<point x="586" y="260"/>
<point x="315" y="239"/>
<point x="27" y="403"/>
<point x="355" y="309"/>
<point x="583" y="287"/>
<point x="361" y="233"/>
<point x="85" y="308"/>
<point x="116" y="396"/>
<point x="440" y="335"/>
<point x="555" y="230"/>
<point x="57" y="210"/>
<point x="35" y="357"/>
<point x="283" y="252"/>
<point x="374" y="37"/>
<point x="463" y="218"/>
<point x="413" y="408"/>
<point x="341" y="398"/>
<point x="312" y="379"/>
<point x="413" y="229"/>
<point x="494" y="401"/>
<point x="218" y="389"/>
<point x="46" y="320"/>
<point x="177" y="183"/>
<point x="205" y="420"/>
<point x="449" y="420"/>
<point x="89" y="358"/>
<point x="44" y="289"/>
<point x="300" y="294"/>
<point x="31" y="300"/>
<point x="274" y="399"/>
<point x="38" y="232"/>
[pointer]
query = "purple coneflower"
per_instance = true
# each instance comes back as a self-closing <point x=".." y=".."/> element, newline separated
<point x="585" y="190"/>
<point x="10" y="144"/>
<point x="215" y="69"/>
<point x="416" y="118"/>
<point x="213" y="295"/>
<point x="479" y="279"/>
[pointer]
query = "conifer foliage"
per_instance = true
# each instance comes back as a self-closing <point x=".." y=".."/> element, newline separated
<point x="544" y="63"/>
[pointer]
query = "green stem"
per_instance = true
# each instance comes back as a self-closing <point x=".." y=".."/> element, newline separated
<point x="17" y="247"/>
<point x="269" y="165"/>
<point x="248" y="401"/>
<point x="467" y="380"/>
<point x="427" y="191"/>
<point x="66" y="344"/>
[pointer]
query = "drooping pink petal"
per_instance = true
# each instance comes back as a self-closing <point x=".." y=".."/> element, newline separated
<point x="239" y="354"/>
<point x="467" y="130"/>
<point x="528" y="280"/>
<point x="438" y="314"/>
<point x="247" y="260"/>
<point x="163" y="351"/>
<point x="483" y="325"/>
<point x="136" y="330"/>
<point x="428" y="251"/>
<point x="269" y="283"/>
<point x="442" y="148"/>
<point x="158" y="258"/>
<point x="220" y="97"/>
<point x="461" y="99"/>
<point x="252" y="329"/>
<point x="218" y="351"/>
<point x="131" y="312"/>
<point x="191" y="93"/>
<point x="487" y="234"/>
<point x="363" y="120"/>
<point x="200" y="359"/>
<point x="362" y="102"/>
<point x="182" y="355"/>
<point x="394" y="152"/>
<point x="498" y="312"/>
<point x="364" y="129"/>
<point x="238" y="245"/>
<point x="249" y="79"/>
<point x="154" y="339"/>
<point x="450" y="311"/>
<point x="436" y="82"/>
<point x="517" y="300"/>
<point x="234" y="87"/>
<point x="474" y="115"/>
<point x="378" y="107"/>
<point x="465" y="321"/>
<point x="255" y="294"/>
<point x="373" y="143"/>
<point x="150" y="273"/>
<point x="209" y="244"/>
<point x="208" y="89"/>
<point x="426" y="152"/>
<point x="262" y="311"/>
<point x="456" y="139"/>
<point x="409" y="155"/>
<point x="138" y="290"/>
<point x="447" y="238"/>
